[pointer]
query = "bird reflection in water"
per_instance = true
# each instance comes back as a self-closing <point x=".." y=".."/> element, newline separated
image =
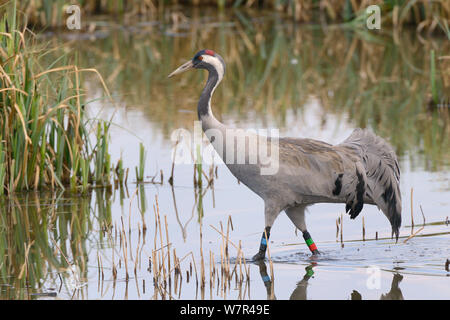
<point x="394" y="294"/>
<point x="300" y="291"/>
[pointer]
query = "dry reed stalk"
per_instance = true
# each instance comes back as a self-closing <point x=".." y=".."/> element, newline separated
<point x="234" y="245"/>
<point x="241" y="257"/>
<point x="158" y="219"/>
<point x="137" y="287"/>
<point x="98" y="271"/>
<point x="156" y="226"/>
<point x="168" y="245"/>
<point x="154" y="265"/>
<point x="211" y="278"/>
<point x="136" y="261"/>
<point x="363" y="229"/>
<point x="139" y="252"/>
<point x="195" y="267"/>
<point x="124" y="250"/>
<point x="223" y="253"/>
<point x="101" y="268"/>
<point x="247" y="284"/>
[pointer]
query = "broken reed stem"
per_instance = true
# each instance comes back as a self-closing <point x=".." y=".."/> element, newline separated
<point x="423" y="215"/>
<point x="417" y="232"/>
<point x="414" y="234"/>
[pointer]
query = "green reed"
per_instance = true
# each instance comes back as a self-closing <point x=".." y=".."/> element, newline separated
<point x="102" y="157"/>
<point x="434" y="93"/>
<point x="44" y="131"/>
<point x="140" y="171"/>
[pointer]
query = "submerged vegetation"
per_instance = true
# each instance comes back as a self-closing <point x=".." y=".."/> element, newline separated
<point x="44" y="133"/>
<point x="40" y="236"/>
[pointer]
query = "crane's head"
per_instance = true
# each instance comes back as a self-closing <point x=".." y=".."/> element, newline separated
<point x="204" y="59"/>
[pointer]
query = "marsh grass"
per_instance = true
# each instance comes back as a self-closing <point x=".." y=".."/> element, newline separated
<point x="45" y="138"/>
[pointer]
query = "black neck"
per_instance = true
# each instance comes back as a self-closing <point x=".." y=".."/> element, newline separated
<point x="203" y="107"/>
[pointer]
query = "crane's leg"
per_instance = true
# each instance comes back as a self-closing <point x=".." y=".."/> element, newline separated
<point x="271" y="212"/>
<point x="297" y="216"/>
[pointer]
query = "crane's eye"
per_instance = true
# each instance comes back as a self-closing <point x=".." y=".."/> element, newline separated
<point x="200" y="58"/>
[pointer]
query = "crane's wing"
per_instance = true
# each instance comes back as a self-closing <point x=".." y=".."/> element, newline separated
<point x="332" y="172"/>
<point x="382" y="172"/>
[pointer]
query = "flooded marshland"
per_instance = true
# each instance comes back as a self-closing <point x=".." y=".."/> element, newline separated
<point x="192" y="240"/>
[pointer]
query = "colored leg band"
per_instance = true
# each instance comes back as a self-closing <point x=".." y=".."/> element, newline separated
<point x="309" y="242"/>
<point x="263" y="245"/>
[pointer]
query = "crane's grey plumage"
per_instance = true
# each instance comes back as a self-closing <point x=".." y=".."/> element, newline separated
<point x="361" y="169"/>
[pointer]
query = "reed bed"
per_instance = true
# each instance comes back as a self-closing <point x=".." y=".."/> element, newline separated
<point x="45" y="136"/>
<point x="423" y="14"/>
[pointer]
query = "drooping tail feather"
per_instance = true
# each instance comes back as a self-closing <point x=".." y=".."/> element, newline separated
<point x="382" y="171"/>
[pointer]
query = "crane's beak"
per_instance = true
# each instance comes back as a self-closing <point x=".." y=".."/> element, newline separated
<point x="185" y="67"/>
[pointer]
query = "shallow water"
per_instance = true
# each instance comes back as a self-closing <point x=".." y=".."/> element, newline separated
<point x="298" y="79"/>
